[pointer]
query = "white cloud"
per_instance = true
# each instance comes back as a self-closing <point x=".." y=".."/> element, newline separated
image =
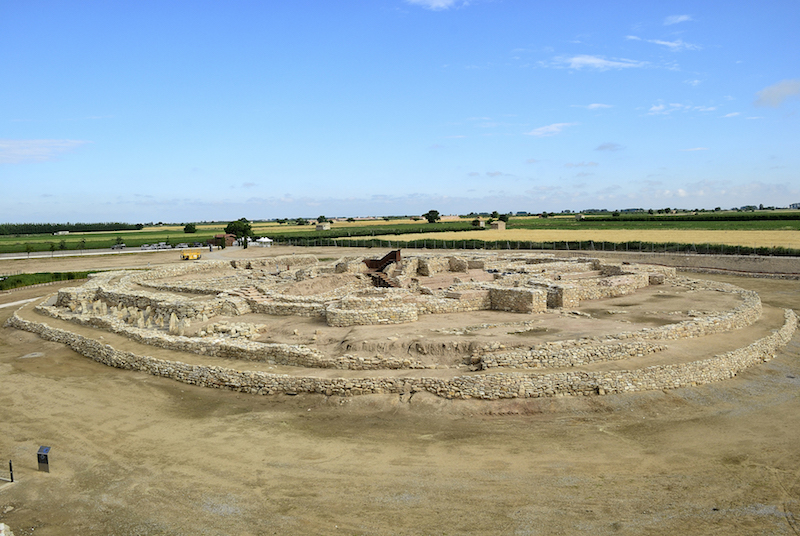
<point x="774" y="95"/>
<point x="18" y="151"/>
<point x="549" y="130"/>
<point x="664" y="109"/>
<point x="732" y="114"/>
<point x="676" y="45"/>
<point x="692" y="82"/>
<point x="675" y="19"/>
<point x="601" y="64"/>
<point x="436" y="5"/>
<point x="633" y="38"/>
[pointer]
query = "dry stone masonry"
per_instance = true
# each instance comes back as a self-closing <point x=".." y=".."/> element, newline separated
<point x="194" y="308"/>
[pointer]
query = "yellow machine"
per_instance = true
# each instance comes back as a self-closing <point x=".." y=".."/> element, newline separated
<point x="190" y="254"/>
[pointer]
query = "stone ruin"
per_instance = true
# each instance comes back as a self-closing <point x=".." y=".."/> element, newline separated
<point x="256" y="310"/>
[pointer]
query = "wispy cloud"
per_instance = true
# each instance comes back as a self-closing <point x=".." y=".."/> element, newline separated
<point x="692" y="82"/>
<point x="549" y="130"/>
<point x="732" y="114"/>
<point x="437" y="5"/>
<point x="19" y="151"/>
<point x="675" y="19"/>
<point x="678" y="44"/>
<point x="665" y="109"/>
<point x="531" y="161"/>
<point x="248" y="184"/>
<point x="609" y="147"/>
<point x="774" y="95"/>
<point x="585" y="61"/>
<point x="593" y="106"/>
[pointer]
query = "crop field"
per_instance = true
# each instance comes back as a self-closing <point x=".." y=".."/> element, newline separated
<point x="660" y="222"/>
<point x="768" y="230"/>
<point x="787" y="239"/>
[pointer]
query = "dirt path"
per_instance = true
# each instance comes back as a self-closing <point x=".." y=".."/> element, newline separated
<point x="136" y="454"/>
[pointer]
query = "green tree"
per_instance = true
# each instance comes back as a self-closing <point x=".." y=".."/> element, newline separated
<point x="190" y="228"/>
<point x="351" y="220"/>
<point x="52" y="248"/>
<point x="62" y="245"/>
<point x="28" y="248"/>
<point x="503" y="218"/>
<point x="301" y="221"/>
<point x="495" y="214"/>
<point x="476" y="222"/>
<point x="322" y="219"/>
<point x="241" y="229"/>
<point x="82" y="244"/>
<point x="432" y="216"/>
<point x="119" y="240"/>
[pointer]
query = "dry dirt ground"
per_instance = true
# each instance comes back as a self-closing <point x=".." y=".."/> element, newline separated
<point x="137" y="454"/>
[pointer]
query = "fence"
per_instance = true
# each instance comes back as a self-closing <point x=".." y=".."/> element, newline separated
<point x="588" y="245"/>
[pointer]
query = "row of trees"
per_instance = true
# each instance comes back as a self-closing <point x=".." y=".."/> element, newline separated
<point x="51" y="228"/>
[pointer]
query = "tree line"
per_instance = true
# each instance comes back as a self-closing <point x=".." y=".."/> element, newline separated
<point x="50" y="228"/>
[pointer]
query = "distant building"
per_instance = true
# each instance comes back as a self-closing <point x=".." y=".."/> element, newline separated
<point x="226" y="240"/>
<point x="795" y="206"/>
<point x="324" y="226"/>
<point x="498" y="225"/>
<point x="59" y="233"/>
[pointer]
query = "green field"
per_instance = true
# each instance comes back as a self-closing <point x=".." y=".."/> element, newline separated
<point x="99" y="240"/>
<point x="24" y="280"/>
<point x="173" y="234"/>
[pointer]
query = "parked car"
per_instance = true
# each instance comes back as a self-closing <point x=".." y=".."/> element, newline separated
<point x="118" y="246"/>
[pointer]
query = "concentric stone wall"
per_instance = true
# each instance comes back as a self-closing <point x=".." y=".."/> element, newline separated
<point x="482" y="386"/>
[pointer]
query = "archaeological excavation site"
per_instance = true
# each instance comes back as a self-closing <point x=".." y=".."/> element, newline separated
<point x="479" y="325"/>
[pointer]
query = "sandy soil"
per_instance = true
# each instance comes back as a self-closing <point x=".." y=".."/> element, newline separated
<point x="136" y="454"/>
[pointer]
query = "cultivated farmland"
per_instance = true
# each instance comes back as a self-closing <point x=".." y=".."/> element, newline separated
<point x="787" y="239"/>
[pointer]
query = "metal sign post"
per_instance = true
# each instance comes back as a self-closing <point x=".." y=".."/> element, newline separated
<point x="43" y="457"/>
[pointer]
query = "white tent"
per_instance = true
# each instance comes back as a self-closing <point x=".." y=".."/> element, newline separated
<point x="264" y="242"/>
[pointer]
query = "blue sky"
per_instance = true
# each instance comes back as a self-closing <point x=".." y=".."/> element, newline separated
<point x="144" y="111"/>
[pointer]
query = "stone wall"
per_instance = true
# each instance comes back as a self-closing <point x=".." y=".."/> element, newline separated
<point x="559" y="355"/>
<point x="363" y="311"/>
<point x="428" y="266"/>
<point x="246" y="350"/>
<point x="518" y="300"/>
<point x="482" y="386"/>
<point x="569" y="353"/>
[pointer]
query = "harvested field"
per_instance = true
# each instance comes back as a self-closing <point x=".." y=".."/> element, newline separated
<point x="138" y="454"/>
<point x="789" y="239"/>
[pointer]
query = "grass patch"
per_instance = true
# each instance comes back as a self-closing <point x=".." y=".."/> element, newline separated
<point x="26" y="280"/>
